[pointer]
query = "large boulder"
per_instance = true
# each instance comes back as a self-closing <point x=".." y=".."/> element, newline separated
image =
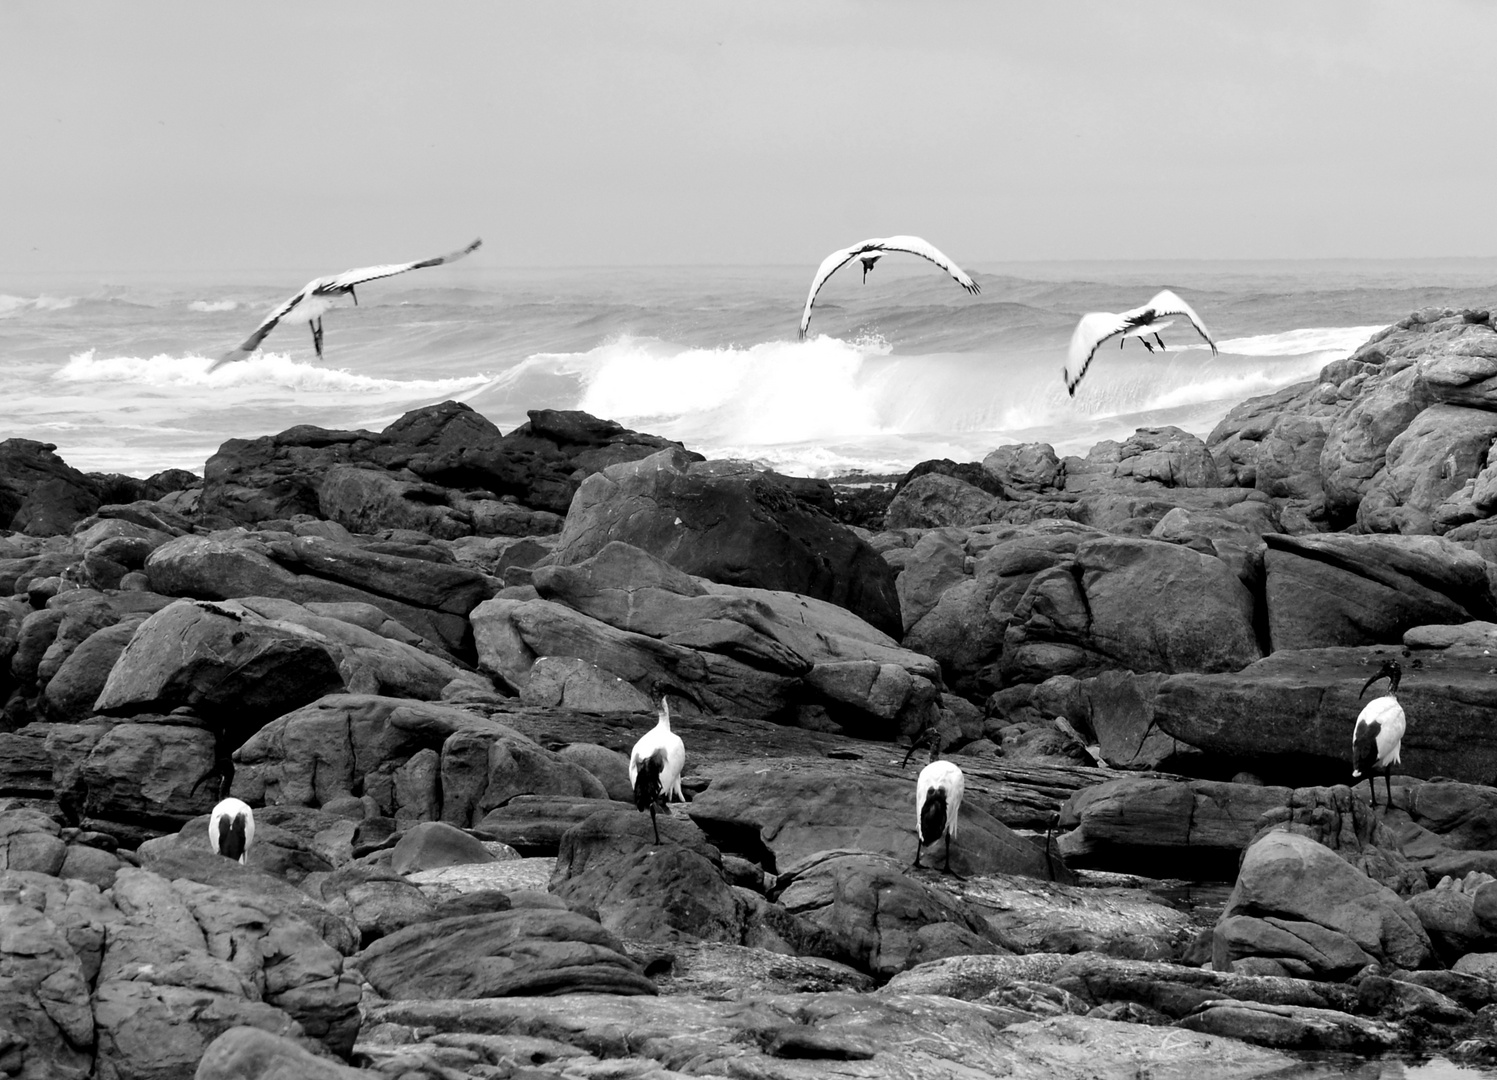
<point x="1295" y="709"/>
<point x="731" y="523"/>
<point x="40" y="494"/>
<point x="429" y="598"/>
<point x="1168" y="455"/>
<point x="522" y="952"/>
<point x="44" y="997"/>
<point x="934" y="499"/>
<point x="889" y="920"/>
<point x="1298" y="904"/>
<point x="218" y="659"/>
<point x="1146" y="605"/>
<point x="637" y="617"/>
<point x="1430" y="460"/>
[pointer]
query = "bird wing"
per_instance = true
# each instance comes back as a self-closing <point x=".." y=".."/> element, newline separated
<point x="1167" y="303"/>
<point x="333" y="283"/>
<point x="1098" y="326"/>
<point x="912" y="245"/>
<point x="350" y="278"/>
<point x="1093" y="329"/>
<point x="251" y="343"/>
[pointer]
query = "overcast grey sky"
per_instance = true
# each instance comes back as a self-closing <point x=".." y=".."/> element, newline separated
<point x="224" y="137"/>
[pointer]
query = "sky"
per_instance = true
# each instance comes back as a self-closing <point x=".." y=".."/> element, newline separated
<point x="222" y="138"/>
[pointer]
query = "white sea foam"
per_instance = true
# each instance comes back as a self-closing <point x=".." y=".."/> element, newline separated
<point x="213" y="305"/>
<point x="12" y="305"/>
<point x="269" y="372"/>
<point x="1315" y="339"/>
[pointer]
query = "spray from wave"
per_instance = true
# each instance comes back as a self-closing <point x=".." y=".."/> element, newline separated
<point x="14" y="305"/>
<point x="213" y="305"/>
<point x="269" y="372"/>
<point x="827" y="405"/>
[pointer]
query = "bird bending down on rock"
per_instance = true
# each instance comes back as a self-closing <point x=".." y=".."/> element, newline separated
<point x="1100" y="326"/>
<point x="870" y="251"/>
<point x="231" y="829"/>
<point x="1377" y="738"/>
<point x="938" y="800"/>
<point x="321" y="294"/>
<point x="655" y="766"/>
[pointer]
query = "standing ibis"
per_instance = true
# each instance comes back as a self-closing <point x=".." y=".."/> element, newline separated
<point x="655" y="766"/>
<point x="938" y="800"/>
<point x="1378" y="736"/>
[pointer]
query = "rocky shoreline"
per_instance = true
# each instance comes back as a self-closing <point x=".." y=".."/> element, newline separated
<point x="422" y="655"/>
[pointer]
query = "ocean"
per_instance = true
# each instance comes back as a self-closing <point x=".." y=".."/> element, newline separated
<point x="112" y="368"/>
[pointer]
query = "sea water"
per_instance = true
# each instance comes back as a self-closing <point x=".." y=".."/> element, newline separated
<point x="113" y="367"/>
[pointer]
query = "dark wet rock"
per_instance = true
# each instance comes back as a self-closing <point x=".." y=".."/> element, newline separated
<point x="40" y="494"/>
<point x="934" y="500"/>
<point x="1297" y="903"/>
<point x="1116" y="709"/>
<point x="523" y="952"/>
<point x="732" y="524"/>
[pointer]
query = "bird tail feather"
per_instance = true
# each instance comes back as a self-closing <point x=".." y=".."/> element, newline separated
<point x="647" y="782"/>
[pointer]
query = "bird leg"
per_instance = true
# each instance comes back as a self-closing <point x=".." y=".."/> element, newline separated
<point x="317" y="336"/>
<point x="354" y="295"/>
<point x="1161" y="343"/>
<point x="1145" y="343"/>
<point x="917" y="865"/>
<point x="1388" y="783"/>
<point x="652" y="823"/>
<point x="1372" y="787"/>
<point x="949" y="870"/>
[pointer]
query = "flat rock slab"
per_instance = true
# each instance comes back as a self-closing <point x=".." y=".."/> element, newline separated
<point x="1305" y="702"/>
<point x="523" y="951"/>
<point x="897" y="1035"/>
<point x="505" y="876"/>
<point x="1028" y="915"/>
<point x="800" y="808"/>
<point x="1021" y="795"/>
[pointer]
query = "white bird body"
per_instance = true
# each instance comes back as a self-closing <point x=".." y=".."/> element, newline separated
<point x="938" y="801"/>
<point x="1099" y="326"/>
<point x="231" y="829"/>
<point x="320" y="295"/>
<point x="870" y="251"/>
<point x="1377" y="738"/>
<point x="655" y="766"/>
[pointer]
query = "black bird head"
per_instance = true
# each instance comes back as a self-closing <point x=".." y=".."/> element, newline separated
<point x="1390" y="671"/>
<point x="928" y="736"/>
<point x="869" y="260"/>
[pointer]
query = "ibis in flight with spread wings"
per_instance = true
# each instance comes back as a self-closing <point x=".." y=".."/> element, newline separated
<point x="870" y="252"/>
<point x="1100" y="326"/>
<point x="321" y="294"/>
